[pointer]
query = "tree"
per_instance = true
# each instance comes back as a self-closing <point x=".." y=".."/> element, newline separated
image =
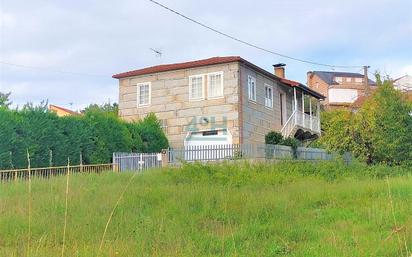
<point x="380" y="132"/>
<point x="106" y="108"/>
<point x="151" y="134"/>
<point x="4" y="100"/>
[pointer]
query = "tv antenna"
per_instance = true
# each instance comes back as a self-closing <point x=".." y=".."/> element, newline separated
<point x="158" y="52"/>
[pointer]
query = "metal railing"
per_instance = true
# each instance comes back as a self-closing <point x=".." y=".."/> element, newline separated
<point x="23" y="174"/>
<point x="303" y="120"/>
<point x="137" y="161"/>
<point x="245" y="151"/>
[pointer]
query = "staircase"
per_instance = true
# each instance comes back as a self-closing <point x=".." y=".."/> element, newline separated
<point x="301" y="121"/>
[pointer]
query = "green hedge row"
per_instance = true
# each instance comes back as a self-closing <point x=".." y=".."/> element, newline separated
<point x="51" y="140"/>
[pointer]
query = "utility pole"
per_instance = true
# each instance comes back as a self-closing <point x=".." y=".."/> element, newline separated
<point x="366" y="80"/>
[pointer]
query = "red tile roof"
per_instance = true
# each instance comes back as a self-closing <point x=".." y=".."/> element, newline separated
<point x="308" y="90"/>
<point x="178" y="66"/>
<point x="212" y="61"/>
<point x="51" y="106"/>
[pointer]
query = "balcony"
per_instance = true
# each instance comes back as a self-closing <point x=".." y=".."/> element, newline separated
<point x="302" y="126"/>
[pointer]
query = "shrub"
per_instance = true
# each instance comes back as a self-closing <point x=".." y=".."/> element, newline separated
<point x="51" y="140"/>
<point x="152" y="135"/>
<point x="273" y="138"/>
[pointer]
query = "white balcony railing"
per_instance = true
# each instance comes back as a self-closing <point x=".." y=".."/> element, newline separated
<point x="302" y="120"/>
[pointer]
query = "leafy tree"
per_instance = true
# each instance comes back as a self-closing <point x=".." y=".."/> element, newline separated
<point x="4" y="100"/>
<point x="106" y="108"/>
<point x="380" y="132"/>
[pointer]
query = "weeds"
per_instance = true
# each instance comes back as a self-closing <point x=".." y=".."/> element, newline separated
<point x="229" y="209"/>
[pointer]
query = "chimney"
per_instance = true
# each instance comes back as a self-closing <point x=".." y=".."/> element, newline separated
<point x="279" y="70"/>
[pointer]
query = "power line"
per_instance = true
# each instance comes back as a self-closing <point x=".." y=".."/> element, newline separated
<point x="250" y="44"/>
<point x="52" y="70"/>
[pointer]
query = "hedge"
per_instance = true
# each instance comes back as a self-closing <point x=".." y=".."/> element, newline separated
<point x="51" y="140"/>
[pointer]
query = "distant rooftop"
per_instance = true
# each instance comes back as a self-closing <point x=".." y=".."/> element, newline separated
<point x="328" y="76"/>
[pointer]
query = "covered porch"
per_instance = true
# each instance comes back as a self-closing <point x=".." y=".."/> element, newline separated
<point x="304" y="121"/>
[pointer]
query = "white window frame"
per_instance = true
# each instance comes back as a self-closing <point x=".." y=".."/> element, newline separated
<point x="359" y="80"/>
<point x="149" y="84"/>
<point x="208" y="85"/>
<point x="348" y="79"/>
<point x="269" y="101"/>
<point x="251" y="97"/>
<point x="339" y="79"/>
<point x="202" y="76"/>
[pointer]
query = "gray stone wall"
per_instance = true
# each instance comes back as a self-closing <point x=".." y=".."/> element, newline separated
<point x="258" y="119"/>
<point x="170" y="101"/>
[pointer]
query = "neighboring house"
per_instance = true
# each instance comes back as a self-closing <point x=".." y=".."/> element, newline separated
<point x="60" y="111"/>
<point x="403" y="83"/>
<point x="220" y="100"/>
<point x="341" y="89"/>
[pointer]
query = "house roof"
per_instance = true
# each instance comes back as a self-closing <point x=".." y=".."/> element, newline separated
<point x="328" y="76"/>
<point x="213" y="61"/>
<point x="178" y="66"/>
<point x="55" y="107"/>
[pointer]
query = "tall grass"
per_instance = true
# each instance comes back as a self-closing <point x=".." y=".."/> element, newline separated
<point x="241" y="209"/>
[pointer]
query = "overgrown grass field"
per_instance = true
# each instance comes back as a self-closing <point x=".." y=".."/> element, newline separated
<point x="240" y="209"/>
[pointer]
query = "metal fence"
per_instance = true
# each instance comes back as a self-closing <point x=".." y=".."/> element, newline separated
<point x="207" y="153"/>
<point x="23" y="174"/>
<point x="137" y="161"/>
<point x="247" y="151"/>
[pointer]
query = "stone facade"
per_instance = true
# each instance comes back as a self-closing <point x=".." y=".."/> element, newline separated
<point x="246" y="121"/>
<point x="257" y="119"/>
<point x="170" y="102"/>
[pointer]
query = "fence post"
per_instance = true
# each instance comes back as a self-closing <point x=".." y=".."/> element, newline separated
<point x="165" y="157"/>
<point x="81" y="162"/>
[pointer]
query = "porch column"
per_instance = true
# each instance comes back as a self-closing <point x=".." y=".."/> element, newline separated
<point x="295" y="103"/>
<point x="303" y="109"/>
<point x="318" y="113"/>
<point x="310" y="112"/>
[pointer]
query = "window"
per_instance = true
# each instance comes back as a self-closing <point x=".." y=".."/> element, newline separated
<point x="339" y="79"/>
<point x="196" y="87"/>
<point x="143" y="94"/>
<point x="215" y="85"/>
<point x="348" y="79"/>
<point x="268" y="96"/>
<point x="358" y="80"/>
<point x="251" y="85"/>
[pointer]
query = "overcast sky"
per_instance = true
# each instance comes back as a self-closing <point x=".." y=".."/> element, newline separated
<point x="101" y="38"/>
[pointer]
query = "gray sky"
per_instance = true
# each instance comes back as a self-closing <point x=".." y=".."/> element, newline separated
<point x="101" y="38"/>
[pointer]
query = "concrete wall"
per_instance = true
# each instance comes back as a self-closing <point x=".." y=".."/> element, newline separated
<point x="257" y="119"/>
<point x="170" y="101"/>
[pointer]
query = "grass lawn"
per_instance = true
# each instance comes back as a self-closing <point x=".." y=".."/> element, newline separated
<point x="224" y="210"/>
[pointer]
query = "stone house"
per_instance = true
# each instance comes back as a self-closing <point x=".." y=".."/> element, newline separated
<point x="220" y="100"/>
<point x="341" y="89"/>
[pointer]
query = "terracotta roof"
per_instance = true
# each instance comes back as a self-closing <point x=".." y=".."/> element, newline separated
<point x="51" y="107"/>
<point x="308" y="90"/>
<point x="212" y="61"/>
<point x="178" y="66"/>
